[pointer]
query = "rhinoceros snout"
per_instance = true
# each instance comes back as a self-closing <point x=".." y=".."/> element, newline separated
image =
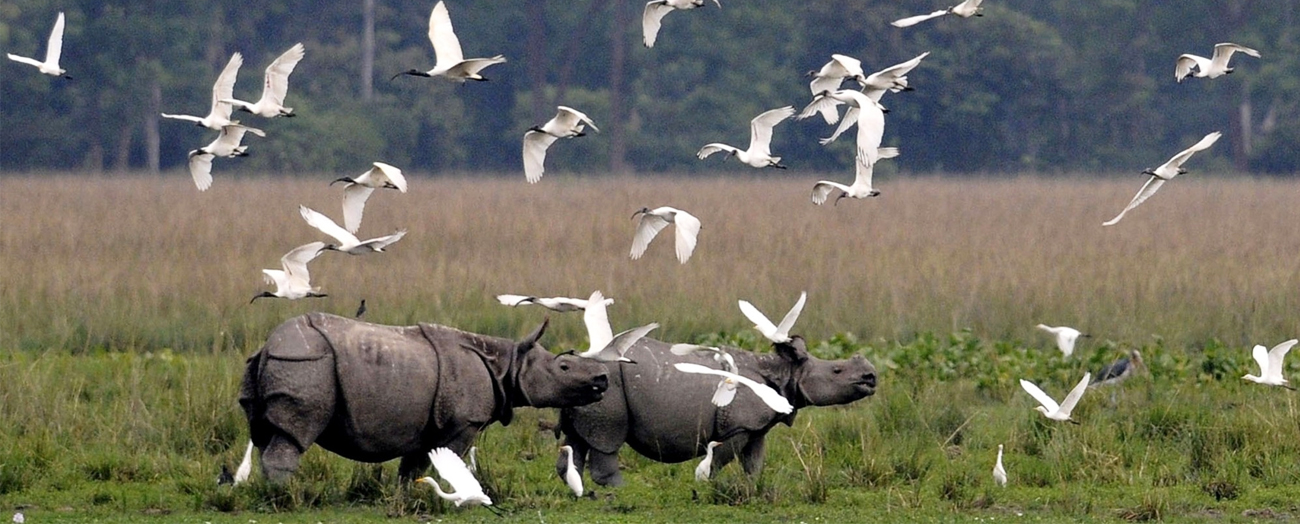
<point x="869" y="379"/>
<point x="600" y="382"/>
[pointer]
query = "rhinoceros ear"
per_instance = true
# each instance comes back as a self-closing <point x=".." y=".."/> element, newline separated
<point x="796" y="350"/>
<point x="529" y="341"/>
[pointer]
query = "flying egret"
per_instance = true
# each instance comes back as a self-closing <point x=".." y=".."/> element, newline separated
<point x="655" y="220"/>
<point x="293" y="282"/>
<point x="965" y="9"/>
<point x="1118" y="371"/>
<point x="829" y="78"/>
<point x="779" y="334"/>
<point x="226" y="145"/>
<point x="465" y="488"/>
<point x="245" y="466"/>
<point x="571" y="475"/>
<point x="759" y="153"/>
<point x="274" y="87"/>
<point x="861" y="187"/>
<point x="1166" y="171"/>
<point x="1214" y="67"/>
<point x="999" y="472"/>
<point x="1270" y="365"/>
<point x="49" y="67"/>
<point x="561" y="304"/>
<point x="347" y="242"/>
<point x="567" y="123"/>
<point x="730" y="381"/>
<point x="869" y="116"/>
<point x="892" y="78"/>
<point x="1049" y="407"/>
<point x="357" y="190"/>
<point x="219" y="116"/>
<point x="719" y="356"/>
<point x="705" y="469"/>
<point x="451" y="62"/>
<point x="605" y="346"/>
<point x="655" y="10"/>
<point x="1065" y="337"/>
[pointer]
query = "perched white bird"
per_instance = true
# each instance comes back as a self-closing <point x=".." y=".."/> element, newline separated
<point x="1049" y="407"/>
<point x="892" y="78"/>
<point x="1065" y="337"/>
<point x="226" y="145"/>
<point x="705" y="469"/>
<point x="1210" y="67"/>
<point x="655" y="220"/>
<point x="465" y="488"/>
<point x="357" y="190"/>
<point x="999" y="472"/>
<point x="50" y="66"/>
<point x="274" y="87"/>
<point x="778" y="334"/>
<point x="571" y="475"/>
<point x="730" y="381"/>
<point x="965" y="9"/>
<point x="293" y="282"/>
<point x="1166" y="171"/>
<point x="451" y="62"/>
<point x="219" y="116"/>
<point x="829" y="78"/>
<point x="567" y="123"/>
<point x="561" y="304"/>
<point x="347" y="242"/>
<point x="605" y="346"/>
<point x="759" y="153"/>
<point x="1270" y="365"/>
<point x="245" y="466"/>
<point x="655" y="10"/>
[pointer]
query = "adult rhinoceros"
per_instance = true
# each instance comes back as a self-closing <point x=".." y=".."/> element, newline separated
<point x="669" y="416"/>
<point x="374" y="393"/>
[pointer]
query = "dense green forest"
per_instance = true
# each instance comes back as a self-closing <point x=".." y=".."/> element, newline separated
<point x="1034" y="85"/>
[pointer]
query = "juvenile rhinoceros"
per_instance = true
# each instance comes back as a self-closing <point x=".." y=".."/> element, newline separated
<point x="374" y="393"/>
<point x="669" y="416"/>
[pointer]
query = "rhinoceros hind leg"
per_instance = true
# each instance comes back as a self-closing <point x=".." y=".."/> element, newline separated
<point x="604" y="468"/>
<point x="412" y="466"/>
<point x="280" y="458"/>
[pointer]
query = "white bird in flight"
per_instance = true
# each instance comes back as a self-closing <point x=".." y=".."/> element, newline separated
<point x="357" y="190"/>
<point x="892" y="79"/>
<point x="451" y="62"/>
<point x="779" y="334"/>
<point x="705" y="469"/>
<point x="561" y="304"/>
<point x="52" y="51"/>
<point x="293" y="281"/>
<point x="226" y="145"/>
<point x="870" y="119"/>
<point x="1166" y="171"/>
<point x="829" y="78"/>
<point x="729" y="383"/>
<point x="999" y="472"/>
<point x="347" y="242"/>
<point x="219" y="116"/>
<point x="655" y="220"/>
<point x="965" y="9"/>
<point x="572" y="477"/>
<point x="605" y="346"/>
<point x="567" y="123"/>
<point x="1049" y="407"/>
<point x="274" y="87"/>
<point x="465" y="488"/>
<point x="1270" y="365"/>
<point x="1210" y="67"/>
<point x="759" y="153"/>
<point x="1065" y="337"/>
<point x="245" y="466"/>
<point x="719" y="356"/>
<point x="655" y="10"/>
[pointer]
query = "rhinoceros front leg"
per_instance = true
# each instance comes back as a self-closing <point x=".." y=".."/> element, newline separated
<point x="412" y="466"/>
<point x="603" y="468"/>
<point x="753" y="454"/>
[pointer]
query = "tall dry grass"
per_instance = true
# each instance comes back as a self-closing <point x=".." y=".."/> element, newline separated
<point x="149" y="262"/>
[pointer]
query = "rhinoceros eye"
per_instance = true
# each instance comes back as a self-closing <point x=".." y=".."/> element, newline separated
<point x="564" y="367"/>
<point x="837" y="370"/>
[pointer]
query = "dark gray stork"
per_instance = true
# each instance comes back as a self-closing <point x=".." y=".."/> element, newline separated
<point x="1118" y="371"/>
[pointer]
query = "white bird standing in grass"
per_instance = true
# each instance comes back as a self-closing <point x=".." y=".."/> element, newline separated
<point x="655" y="220"/>
<point x="465" y="488"/>
<point x="226" y="145"/>
<point x="779" y="334"/>
<point x="561" y="304"/>
<point x="892" y="79"/>
<point x="347" y="242"/>
<point x="1049" y="407"/>
<point x="1271" y="365"/>
<point x="829" y="78"/>
<point x="605" y="346"/>
<point x="19" y="518"/>
<point x="705" y="469"/>
<point x="293" y="281"/>
<point x="50" y="66"/>
<point x="451" y="62"/>
<point x="572" y="477"/>
<point x="1166" y="171"/>
<point x="965" y="9"/>
<point x="1210" y="67"/>
<point x="245" y="466"/>
<point x="274" y="86"/>
<point x="759" y="153"/>
<point x="357" y="190"/>
<point x="654" y="13"/>
<point x="1065" y="337"/>
<point x="999" y="472"/>
<point x="567" y="123"/>
<point x="219" y="116"/>
<point x="726" y="390"/>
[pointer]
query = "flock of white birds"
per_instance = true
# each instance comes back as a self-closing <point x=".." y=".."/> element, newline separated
<point x="864" y="110"/>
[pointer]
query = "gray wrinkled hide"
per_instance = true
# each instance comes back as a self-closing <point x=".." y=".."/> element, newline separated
<point x="668" y="416"/>
<point x="373" y="393"/>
